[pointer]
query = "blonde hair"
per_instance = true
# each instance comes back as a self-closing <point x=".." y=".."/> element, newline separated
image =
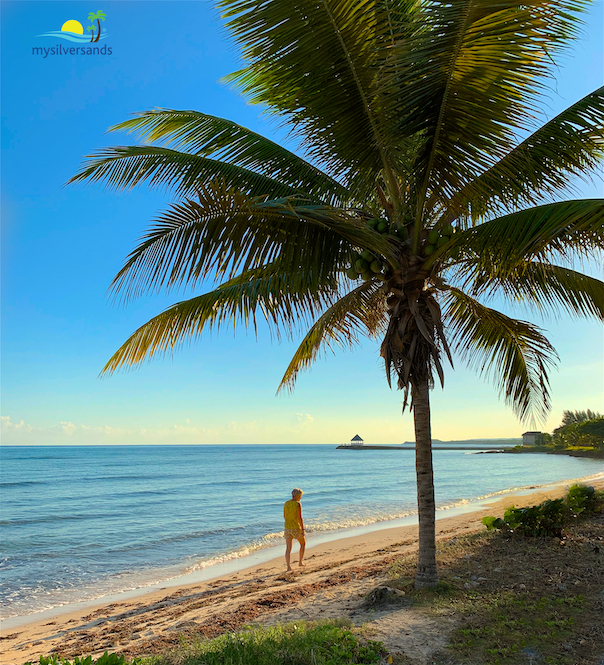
<point x="296" y="492"/>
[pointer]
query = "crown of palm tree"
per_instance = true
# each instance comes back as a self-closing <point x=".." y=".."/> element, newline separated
<point x="409" y="110"/>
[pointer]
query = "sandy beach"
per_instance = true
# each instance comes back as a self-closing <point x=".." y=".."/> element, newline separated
<point x="335" y="582"/>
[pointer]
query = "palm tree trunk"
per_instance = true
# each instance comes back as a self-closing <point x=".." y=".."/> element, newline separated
<point x="426" y="566"/>
<point x="98" y="34"/>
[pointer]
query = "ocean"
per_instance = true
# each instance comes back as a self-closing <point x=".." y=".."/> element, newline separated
<point x="81" y="522"/>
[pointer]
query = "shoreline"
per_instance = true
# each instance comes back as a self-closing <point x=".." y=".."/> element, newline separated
<point x="590" y="453"/>
<point x="232" y="564"/>
<point x="114" y="623"/>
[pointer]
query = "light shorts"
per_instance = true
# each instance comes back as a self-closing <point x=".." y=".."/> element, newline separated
<point x="293" y="533"/>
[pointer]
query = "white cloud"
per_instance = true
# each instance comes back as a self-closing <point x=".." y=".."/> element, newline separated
<point x="301" y="420"/>
<point x="68" y="428"/>
<point x="254" y="431"/>
<point x="8" y="425"/>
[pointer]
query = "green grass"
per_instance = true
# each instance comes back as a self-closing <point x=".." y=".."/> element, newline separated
<point x="512" y="627"/>
<point x="301" y="643"/>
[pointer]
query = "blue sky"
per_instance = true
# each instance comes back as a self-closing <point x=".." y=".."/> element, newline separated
<point x="62" y="245"/>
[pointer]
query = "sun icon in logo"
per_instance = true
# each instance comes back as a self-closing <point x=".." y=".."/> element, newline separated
<point x="73" y="26"/>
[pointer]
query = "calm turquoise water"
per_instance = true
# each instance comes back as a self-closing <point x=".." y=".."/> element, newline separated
<point x="78" y="523"/>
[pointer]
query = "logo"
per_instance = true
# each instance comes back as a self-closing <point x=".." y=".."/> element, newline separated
<point x="73" y="31"/>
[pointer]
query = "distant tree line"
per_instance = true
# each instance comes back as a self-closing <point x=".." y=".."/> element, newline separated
<point x="578" y="428"/>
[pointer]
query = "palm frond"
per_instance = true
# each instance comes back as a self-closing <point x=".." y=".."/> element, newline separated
<point x="571" y="143"/>
<point x="359" y="312"/>
<point x="514" y="354"/>
<point x="226" y="232"/>
<point x="316" y="64"/>
<point x="209" y="136"/>
<point x="284" y="304"/>
<point x="466" y="80"/>
<point x="125" y="167"/>
<point x="568" y="229"/>
<point x="543" y="286"/>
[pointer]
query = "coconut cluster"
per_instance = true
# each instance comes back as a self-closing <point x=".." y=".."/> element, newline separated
<point x="437" y="239"/>
<point x="365" y="264"/>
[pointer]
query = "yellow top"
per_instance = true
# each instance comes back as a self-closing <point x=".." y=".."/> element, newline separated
<point x="290" y="513"/>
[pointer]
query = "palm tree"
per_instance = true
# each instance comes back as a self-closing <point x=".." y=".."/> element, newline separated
<point x="411" y="111"/>
<point x="98" y="17"/>
<point x="90" y="28"/>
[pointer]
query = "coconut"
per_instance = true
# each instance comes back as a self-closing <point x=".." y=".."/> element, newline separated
<point x="382" y="227"/>
<point x="361" y="265"/>
<point x="368" y="256"/>
<point x="433" y="237"/>
<point x="376" y="266"/>
<point x="367" y="275"/>
<point x="399" y="232"/>
<point x="351" y="273"/>
<point x="443" y="240"/>
<point x="372" y="223"/>
<point x="448" y="230"/>
<point x="429" y="249"/>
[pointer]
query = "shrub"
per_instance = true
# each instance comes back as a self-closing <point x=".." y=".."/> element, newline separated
<point x="581" y="498"/>
<point x="550" y="517"/>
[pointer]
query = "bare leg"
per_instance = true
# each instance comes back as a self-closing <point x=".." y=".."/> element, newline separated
<point x="302" y="550"/>
<point x="288" y="552"/>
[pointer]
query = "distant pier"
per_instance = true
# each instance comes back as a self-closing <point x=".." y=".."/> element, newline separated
<point x="477" y="448"/>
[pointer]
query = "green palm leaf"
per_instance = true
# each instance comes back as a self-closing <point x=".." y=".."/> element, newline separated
<point x="572" y="142"/>
<point x="474" y="68"/>
<point x="317" y="65"/>
<point x="514" y="354"/>
<point x="237" y="302"/>
<point x="359" y="312"/>
<point x="207" y="135"/>
<point x="568" y="228"/>
<point x="125" y="167"/>
<point x="546" y="287"/>
<point x="226" y="232"/>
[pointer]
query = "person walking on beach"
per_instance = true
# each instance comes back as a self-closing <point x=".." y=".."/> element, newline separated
<point x="294" y="527"/>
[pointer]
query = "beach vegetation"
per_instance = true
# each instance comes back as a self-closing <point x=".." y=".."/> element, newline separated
<point x="551" y="517"/>
<point x="106" y="659"/>
<point x="579" y="429"/>
<point x="334" y="642"/>
<point x="417" y="121"/>
<point x="300" y="643"/>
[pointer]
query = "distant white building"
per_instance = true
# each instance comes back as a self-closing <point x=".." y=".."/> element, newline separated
<point x="356" y="441"/>
<point x="531" y="438"/>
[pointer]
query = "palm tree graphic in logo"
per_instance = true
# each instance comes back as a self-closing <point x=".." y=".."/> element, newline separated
<point x="73" y="30"/>
<point x="98" y="17"/>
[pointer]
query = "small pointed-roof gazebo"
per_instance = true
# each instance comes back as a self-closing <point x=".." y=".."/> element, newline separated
<point x="356" y="440"/>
